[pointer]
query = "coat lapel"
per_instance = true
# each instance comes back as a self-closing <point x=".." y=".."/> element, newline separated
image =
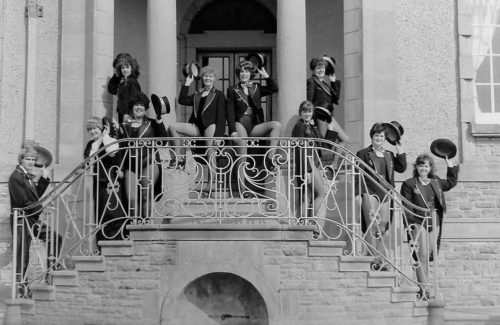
<point x="242" y="95"/>
<point x="30" y="185"/>
<point x="208" y="101"/>
<point x="327" y="89"/>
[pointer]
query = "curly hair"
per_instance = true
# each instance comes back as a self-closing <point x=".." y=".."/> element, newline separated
<point x="421" y="159"/>
<point x="377" y="128"/>
<point x="126" y="59"/>
<point x="316" y="62"/>
<point x="207" y="70"/>
<point x="245" y="65"/>
<point x="139" y="99"/>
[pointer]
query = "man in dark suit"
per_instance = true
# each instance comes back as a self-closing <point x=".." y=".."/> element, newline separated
<point x="24" y="193"/>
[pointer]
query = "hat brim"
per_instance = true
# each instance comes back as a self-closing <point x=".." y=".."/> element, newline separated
<point x="330" y="68"/>
<point x="257" y="60"/>
<point x="44" y="157"/>
<point x="161" y="106"/>
<point x="392" y="135"/>
<point x="443" y="148"/>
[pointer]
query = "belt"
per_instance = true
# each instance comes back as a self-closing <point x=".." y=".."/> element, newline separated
<point x="324" y="110"/>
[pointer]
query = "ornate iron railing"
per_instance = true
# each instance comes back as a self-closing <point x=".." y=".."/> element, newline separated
<point x="297" y="182"/>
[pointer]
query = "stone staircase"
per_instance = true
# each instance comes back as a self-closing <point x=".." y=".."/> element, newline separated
<point x="301" y="280"/>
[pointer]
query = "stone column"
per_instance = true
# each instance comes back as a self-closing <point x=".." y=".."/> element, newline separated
<point x="162" y="49"/>
<point x="291" y="60"/>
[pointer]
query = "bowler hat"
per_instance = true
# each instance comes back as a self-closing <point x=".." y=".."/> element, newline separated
<point x="394" y="132"/>
<point x="330" y="66"/>
<point x="191" y="69"/>
<point x="443" y="148"/>
<point x="44" y="157"/>
<point x="257" y="59"/>
<point x="160" y="105"/>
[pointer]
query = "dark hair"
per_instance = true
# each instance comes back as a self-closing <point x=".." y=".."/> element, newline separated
<point x="127" y="59"/>
<point x="139" y="99"/>
<point x="377" y="128"/>
<point x="306" y="105"/>
<point x="317" y="61"/>
<point x="94" y="122"/>
<point x="245" y="65"/>
<point x="421" y="159"/>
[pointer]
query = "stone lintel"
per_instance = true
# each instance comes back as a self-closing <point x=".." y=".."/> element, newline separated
<point x="221" y="232"/>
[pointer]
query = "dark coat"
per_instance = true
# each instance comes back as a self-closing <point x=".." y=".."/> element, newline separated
<point x="125" y="91"/>
<point x="394" y="163"/>
<point x="213" y="112"/>
<point x="237" y="103"/>
<point x="301" y="130"/>
<point x="23" y="194"/>
<point x="410" y="192"/>
<point x="323" y="93"/>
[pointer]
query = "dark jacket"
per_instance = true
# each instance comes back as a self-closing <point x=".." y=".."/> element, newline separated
<point x="323" y="93"/>
<point x="213" y="112"/>
<point x="125" y="91"/>
<point x="410" y="192"/>
<point x="23" y="194"/>
<point x="394" y="163"/>
<point x="237" y="103"/>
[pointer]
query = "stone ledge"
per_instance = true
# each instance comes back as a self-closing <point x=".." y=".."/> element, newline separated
<point x="89" y="263"/>
<point x="420" y="308"/>
<point x="43" y="292"/>
<point x="381" y="279"/>
<point x="404" y="294"/>
<point x="326" y="248"/>
<point x="221" y="232"/>
<point x="64" y="278"/>
<point x="116" y="247"/>
<point x="355" y="263"/>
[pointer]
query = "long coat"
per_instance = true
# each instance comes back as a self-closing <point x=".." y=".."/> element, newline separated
<point x="411" y="193"/>
<point x="213" y="112"/>
<point x="238" y="102"/>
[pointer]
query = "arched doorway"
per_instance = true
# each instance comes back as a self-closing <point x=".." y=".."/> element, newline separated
<point x="219" y="298"/>
<point x="222" y="31"/>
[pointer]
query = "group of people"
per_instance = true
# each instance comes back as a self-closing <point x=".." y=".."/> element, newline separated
<point x="240" y="110"/>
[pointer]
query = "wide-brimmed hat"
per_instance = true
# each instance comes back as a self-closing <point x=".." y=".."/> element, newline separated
<point x="160" y="105"/>
<point x="44" y="157"/>
<point x="258" y="60"/>
<point x="443" y="148"/>
<point x="394" y="132"/>
<point x="330" y="66"/>
<point x="191" y="69"/>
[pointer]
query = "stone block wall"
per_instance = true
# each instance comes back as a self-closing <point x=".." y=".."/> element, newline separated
<point x="148" y="287"/>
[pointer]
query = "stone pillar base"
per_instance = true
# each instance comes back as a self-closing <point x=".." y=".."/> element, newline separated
<point x="436" y="312"/>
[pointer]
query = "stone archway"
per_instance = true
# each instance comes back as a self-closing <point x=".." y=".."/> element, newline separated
<point x="219" y="298"/>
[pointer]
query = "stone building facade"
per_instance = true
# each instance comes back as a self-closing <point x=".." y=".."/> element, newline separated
<point x="411" y="61"/>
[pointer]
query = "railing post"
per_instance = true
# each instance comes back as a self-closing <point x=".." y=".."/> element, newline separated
<point x="435" y="254"/>
<point x="14" y="254"/>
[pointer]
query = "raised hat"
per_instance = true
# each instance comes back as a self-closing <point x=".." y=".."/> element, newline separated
<point x="443" y="148"/>
<point x="191" y="69"/>
<point x="44" y="157"/>
<point x="257" y="59"/>
<point x="394" y="132"/>
<point x="330" y="67"/>
<point x="160" y="105"/>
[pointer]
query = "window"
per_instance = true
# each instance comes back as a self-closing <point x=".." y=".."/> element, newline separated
<point x="486" y="60"/>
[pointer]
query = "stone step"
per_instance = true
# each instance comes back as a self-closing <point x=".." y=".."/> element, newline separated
<point x="116" y="247"/>
<point x="404" y="294"/>
<point x="43" y="292"/>
<point x="89" y="263"/>
<point x="64" y="278"/>
<point x="381" y="279"/>
<point x="420" y="308"/>
<point x="326" y="248"/>
<point x="355" y="263"/>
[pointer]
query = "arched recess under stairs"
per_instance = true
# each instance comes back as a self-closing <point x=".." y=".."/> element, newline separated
<point x="218" y="298"/>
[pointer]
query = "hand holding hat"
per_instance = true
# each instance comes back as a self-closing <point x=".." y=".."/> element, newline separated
<point x="443" y="148"/>
<point x="161" y="106"/>
<point x="394" y="132"/>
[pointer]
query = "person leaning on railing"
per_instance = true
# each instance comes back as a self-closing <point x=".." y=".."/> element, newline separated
<point x="107" y="205"/>
<point x="374" y="197"/>
<point x="25" y="192"/>
<point x="244" y="111"/>
<point x="209" y="108"/>
<point x="426" y="190"/>
<point x="308" y="169"/>
<point x="141" y="163"/>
